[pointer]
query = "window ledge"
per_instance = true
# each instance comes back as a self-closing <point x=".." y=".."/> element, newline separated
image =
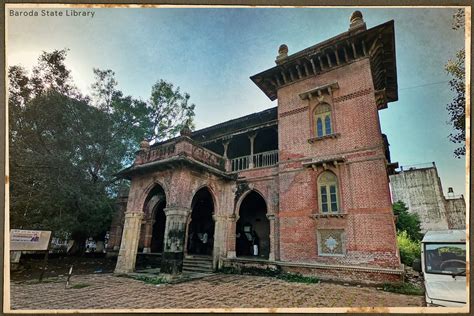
<point x="328" y="215"/>
<point x="315" y="139"/>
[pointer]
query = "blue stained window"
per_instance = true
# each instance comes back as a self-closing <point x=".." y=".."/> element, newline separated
<point x="324" y="200"/>
<point x="327" y="123"/>
<point x="333" y="195"/>
<point x="319" y="126"/>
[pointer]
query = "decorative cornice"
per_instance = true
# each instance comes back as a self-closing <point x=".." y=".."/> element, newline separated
<point x="295" y="111"/>
<point x="377" y="44"/>
<point x="315" y="139"/>
<point x="319" y="91"/>
<point x="328" y="215"/>
<point x="352" y="95"/>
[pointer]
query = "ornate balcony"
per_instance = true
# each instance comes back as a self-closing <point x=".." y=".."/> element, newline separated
<point x="259" y="160"/>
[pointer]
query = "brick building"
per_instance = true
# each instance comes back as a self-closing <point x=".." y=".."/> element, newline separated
<point x="306" y="181"/>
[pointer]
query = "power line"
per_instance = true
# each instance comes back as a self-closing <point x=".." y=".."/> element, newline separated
<point x="424" y="85"/>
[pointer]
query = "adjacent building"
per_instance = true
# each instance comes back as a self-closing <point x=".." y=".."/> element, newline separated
<point x="419" y="187"/>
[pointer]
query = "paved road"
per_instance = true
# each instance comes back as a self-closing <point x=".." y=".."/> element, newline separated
<point x="215" y="291"/>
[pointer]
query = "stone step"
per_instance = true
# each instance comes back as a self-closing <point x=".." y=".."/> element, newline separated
<point x="200" y="264"/>
<point x="197" y="264"/>
<point x="197" y="269"/>
<point x="197" y="260"/>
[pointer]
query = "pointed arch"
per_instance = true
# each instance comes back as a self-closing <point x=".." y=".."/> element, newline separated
<point x="253" y="226"/>
<point x="201" y="226"/>
<point x="322" y="120"/>
<point x="328" y="193"/>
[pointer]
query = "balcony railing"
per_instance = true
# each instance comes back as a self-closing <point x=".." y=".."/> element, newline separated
<point x="265" y="159"/>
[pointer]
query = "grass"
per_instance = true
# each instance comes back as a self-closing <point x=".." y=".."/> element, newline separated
<point x="79" y="286"/>
<point x="273" y="273"/>
<point x="149" y="279"/>
<point x="403" y="288"/>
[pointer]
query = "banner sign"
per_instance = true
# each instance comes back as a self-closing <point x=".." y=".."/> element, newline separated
<point x="22" y="240"/>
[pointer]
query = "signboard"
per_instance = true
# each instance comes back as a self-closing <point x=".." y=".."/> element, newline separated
<point x="34" y="240"/>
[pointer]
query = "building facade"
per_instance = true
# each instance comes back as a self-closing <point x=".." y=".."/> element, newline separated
<point x="303" y="186"/>
<point x="419" y="187"/>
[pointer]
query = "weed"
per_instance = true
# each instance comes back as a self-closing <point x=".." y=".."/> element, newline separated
<point x="297" y="277"/>
<point x="403" y="288"/>
<point x="269" y="272"/>
<point x="149" y="279"/>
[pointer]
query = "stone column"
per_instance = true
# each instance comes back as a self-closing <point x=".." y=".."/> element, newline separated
<point x="148" y="236"/>
<point x="129" y="245"/>
<point x="271" y="219"/>
<point x="220" y="238"/>
<point x="226" y="143"/>
<point x="175" y="232"/>
<point x="252" y="139"/>
<point x="231" y="238"/>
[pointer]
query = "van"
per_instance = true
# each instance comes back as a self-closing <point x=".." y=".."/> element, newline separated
<point x="443" y="264"/>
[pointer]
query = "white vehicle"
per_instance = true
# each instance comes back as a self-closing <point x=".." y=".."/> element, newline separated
<point x="443" y="263"/>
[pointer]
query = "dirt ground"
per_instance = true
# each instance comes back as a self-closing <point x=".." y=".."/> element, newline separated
<point x="31" y="266"/>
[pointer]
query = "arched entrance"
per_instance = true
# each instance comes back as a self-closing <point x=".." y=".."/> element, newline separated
<point x="158" y="230"/>
<point x="155" y="220"/>
<point x="201" y="227"/>
<point x="253" y="228"/>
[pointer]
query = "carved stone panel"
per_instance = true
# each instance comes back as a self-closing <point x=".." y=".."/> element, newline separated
<point x="331" y="242"/>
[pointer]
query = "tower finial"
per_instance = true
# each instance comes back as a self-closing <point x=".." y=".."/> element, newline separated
<point x="357" y="20"/>
<point x="282" y="54"/>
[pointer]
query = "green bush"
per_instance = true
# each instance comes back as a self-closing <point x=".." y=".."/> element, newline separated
<point x="403" y="288"/>
<point x="406" y="221"/>
<point x="409" y="249"/>
<point x="148" y="279"/>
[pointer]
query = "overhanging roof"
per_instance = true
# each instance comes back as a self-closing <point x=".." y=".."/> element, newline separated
<point x="377" y="43"/>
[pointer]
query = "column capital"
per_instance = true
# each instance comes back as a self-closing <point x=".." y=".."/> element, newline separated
<point x="138" y="215"/>
<point x="233" y="217"/>
<point x="219" y="217"/>
<point x="252" y="135"/>
<point x="271" y="217"/>
<point x="178" y="211"/>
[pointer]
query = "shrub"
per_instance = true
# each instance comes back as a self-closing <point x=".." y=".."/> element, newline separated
<point x="406" y="221"/>
<point x="403" y="288"/>
<point x="149" y="279"/>
<point x="409" y="249"/>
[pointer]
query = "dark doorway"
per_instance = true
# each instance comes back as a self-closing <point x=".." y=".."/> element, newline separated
<point x="158" y="232"/>
<point x="253" y="228"/>
<point x="201" y="227"/>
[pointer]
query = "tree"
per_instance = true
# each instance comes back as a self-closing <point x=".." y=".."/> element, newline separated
<point x="171" y="111"/>
<point x="406" y="221"/>
<point x="457" y="108"/>
<point x="65" y="148"/>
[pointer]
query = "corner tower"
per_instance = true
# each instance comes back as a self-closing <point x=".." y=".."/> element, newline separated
<point x="334" y="198"/>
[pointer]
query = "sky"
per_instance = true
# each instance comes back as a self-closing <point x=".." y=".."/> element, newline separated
<point x="211" y="53"/>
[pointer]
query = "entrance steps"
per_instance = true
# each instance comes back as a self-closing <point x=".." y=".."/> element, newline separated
<point x="197" y="264"/>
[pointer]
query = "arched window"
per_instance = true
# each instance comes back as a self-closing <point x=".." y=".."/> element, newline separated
<point x="328" y="193"/>
<point x="322" y="118"/>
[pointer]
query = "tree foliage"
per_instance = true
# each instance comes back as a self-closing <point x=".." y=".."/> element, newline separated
<point x="457" y="108"/>
<point x="409" y="248"/>
<point x="406" y="221"/>
<point x="171" y="111"/>
<point x="65" y="148"/>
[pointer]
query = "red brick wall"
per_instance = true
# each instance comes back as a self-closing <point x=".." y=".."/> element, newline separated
<point x="363" y="188"/>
